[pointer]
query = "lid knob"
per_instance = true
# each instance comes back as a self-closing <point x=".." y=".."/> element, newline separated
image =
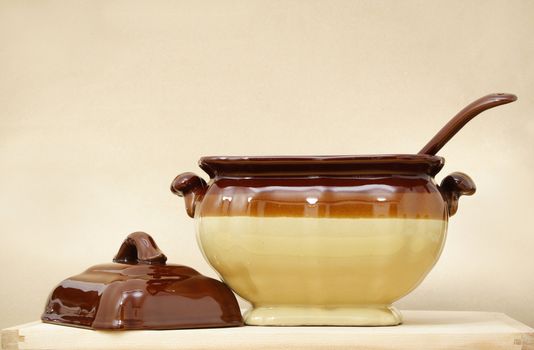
<point x="140" y="248"/>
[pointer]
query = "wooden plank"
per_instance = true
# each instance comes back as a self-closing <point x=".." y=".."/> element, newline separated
<point x="421" y="330"/>
<point x="527" y="334"/>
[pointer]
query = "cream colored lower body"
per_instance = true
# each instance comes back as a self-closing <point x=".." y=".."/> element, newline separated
<point x="321" y="271"/>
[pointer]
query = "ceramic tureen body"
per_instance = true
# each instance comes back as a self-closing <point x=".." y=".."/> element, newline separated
<point x="322" y="240"/>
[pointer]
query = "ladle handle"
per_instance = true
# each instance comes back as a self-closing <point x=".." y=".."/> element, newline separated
<point x="464" y="116"/>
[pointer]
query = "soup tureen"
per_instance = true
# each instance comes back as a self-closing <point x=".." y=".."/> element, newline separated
<point x="327" y="240"/>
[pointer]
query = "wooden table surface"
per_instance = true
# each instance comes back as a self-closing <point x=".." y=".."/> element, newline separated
<point x="420" y="330"/>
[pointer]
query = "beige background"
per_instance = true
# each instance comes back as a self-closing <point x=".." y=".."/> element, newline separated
<point x="102" y="103"/>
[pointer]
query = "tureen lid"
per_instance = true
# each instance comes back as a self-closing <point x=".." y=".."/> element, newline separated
<point x="140" y="291"/>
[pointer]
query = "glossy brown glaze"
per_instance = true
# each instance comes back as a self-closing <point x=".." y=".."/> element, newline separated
<point x="338" y="166"/>
<point x="455" y="185"/>
<point x="367" y="196"/>
<point x="389" y="186"/>
<point x="142" y="292"/>
<point x="191" y="187"/>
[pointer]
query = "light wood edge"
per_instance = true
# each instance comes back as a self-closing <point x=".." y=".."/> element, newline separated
<point x="527" y="333"/>
<point x="10" y="339"/>
<point x="432" y="342"/>
<point x="527" y="341"/>
<point x="521" y="327"/>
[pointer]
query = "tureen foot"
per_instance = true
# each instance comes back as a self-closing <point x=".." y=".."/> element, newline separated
<point x="375" y="315"/>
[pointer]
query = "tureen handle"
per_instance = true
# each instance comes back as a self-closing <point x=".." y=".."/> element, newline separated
<point x="455" y="185"/>
<point x="191" y="187"/>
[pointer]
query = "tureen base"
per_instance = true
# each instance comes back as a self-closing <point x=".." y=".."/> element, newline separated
<point x="284" y="315"/>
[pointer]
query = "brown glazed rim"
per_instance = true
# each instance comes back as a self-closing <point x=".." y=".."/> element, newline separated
<point x="241" y="166"/>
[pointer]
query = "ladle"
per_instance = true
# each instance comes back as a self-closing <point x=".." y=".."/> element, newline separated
<point x="465" y="115"/>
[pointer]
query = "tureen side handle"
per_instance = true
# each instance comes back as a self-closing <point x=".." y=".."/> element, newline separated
<point x="455" y="185"/>
<point x="190" y="186"/>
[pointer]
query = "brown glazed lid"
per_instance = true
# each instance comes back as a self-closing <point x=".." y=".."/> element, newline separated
<point x="140" y="291"/>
